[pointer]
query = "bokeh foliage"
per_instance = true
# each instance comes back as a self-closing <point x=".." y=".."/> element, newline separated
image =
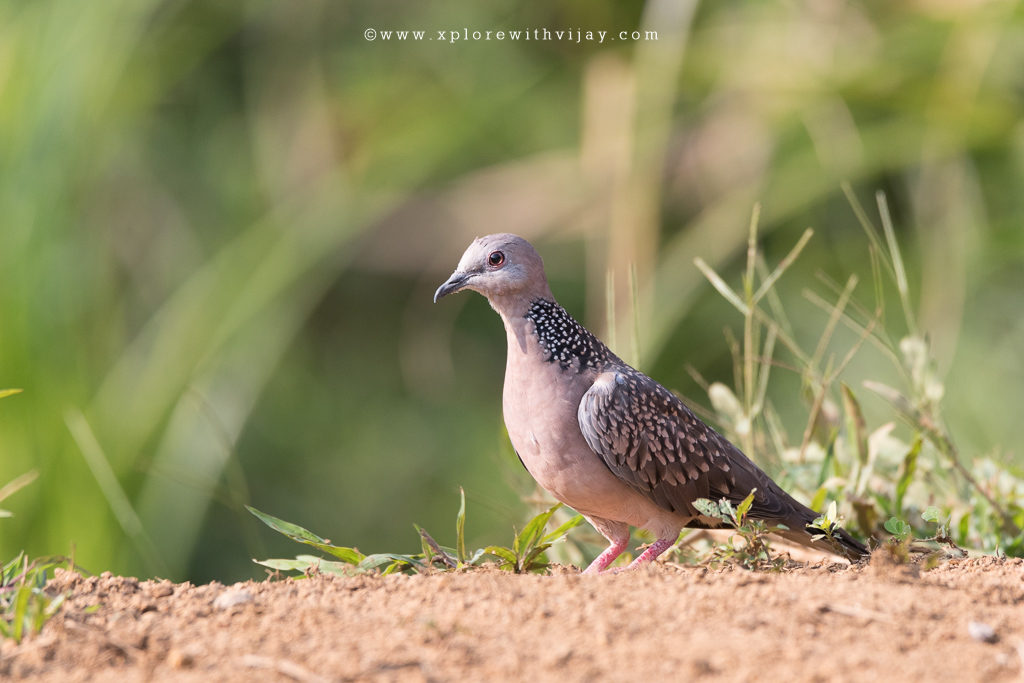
<point x="222" y="223"/>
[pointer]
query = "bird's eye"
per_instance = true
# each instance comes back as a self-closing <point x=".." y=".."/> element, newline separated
<point x="496" y="259"/>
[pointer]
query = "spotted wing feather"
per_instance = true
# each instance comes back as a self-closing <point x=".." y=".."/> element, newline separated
<point x="653" y="442"/>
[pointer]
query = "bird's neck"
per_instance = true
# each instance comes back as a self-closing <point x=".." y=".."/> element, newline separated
<point x="546" y="326"/>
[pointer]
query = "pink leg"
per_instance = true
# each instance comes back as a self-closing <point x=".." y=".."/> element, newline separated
<point x="608" y="556"/>
<point x="653" y="550"/>
<point x="617" y="534"/>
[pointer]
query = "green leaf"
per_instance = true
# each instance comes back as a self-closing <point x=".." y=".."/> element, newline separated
<point x="856" y="425"/>
<point x="907" y="470"/>
<point x="20" y="609"/>
<point x="293" y="531"/>
<point x="4" y="393"/>
<point x="304" y="563"/>
<point x="501" y="552"/>
<point x="529" y="563"/>
<point x="707" y="508"/>
<point x="897" y="527"/>
<point x="379" y="559"/>
<point x="534" y="530"/>
<point x="931" y="514"/>
<point x="727" y="511"/>
<point x="443" y="553"/>
<point x="298" y="533"/>
<point x="833" y="513"/>
<point x="964" y="528"/>
<point x="460" y="528"/>
<point x="741" y="511"/>
<point x="563" y="529"/>
<point x="428" y="552"/>
<point x="284" y="565"/>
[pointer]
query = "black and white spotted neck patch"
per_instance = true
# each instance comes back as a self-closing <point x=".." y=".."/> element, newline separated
<point x="564" y="340"/>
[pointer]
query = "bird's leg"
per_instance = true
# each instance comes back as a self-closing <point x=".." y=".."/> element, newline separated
<point x="653" y="550"/>
<point x="617" y="534"/>
<point x="607" y="557"/>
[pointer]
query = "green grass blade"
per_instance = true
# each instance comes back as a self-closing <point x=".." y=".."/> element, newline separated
<point x="865" y="222"/>
<point x="115" y="495"/>
<point x="719" y="284"/>
<point x="907" y="471"/>
<point x="856" y="425"/>
<point x="4" y="393"/>
<point x="293" y="531"/>
<point x="20" y="609"/>
<point x="18" y="483"/>
<point x="445" y="556"/>
<point x="302" y="535"/>
<point x="837" y="313"/>
<point x="767" y="354"/>
<point x="897" y="262"/>
<point x="428" y="552"/>
<point x="460" y="528"/>
<point x="784" y="264"/>
<point x="748" y="277"/>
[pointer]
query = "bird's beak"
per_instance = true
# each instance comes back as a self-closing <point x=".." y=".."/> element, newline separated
<point x="456" y="282"/>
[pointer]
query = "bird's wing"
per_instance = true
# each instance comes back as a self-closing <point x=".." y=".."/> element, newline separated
<point x="648" y="438"/>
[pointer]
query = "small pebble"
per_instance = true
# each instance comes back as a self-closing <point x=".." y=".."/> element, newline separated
<point x="981" y="631"/>
<point x="176" y="659"/>
<point x="232" y="597"/>
<point x="162" y="590"/>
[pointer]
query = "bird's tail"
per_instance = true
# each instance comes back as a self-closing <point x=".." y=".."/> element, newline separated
<point x="850" y="547"/>
<point x="841" y="543"/>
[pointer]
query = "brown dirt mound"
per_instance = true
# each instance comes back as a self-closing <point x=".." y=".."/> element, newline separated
<point x="819" y="622"/>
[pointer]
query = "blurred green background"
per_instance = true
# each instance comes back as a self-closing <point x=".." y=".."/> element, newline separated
<point x="221" y="224"/>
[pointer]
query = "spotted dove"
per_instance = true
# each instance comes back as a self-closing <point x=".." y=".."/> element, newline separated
<point x="601" y="436"/>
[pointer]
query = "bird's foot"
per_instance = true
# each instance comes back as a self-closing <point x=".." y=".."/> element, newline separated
<point x="653" y="550"/>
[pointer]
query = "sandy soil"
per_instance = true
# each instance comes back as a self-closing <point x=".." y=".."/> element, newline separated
<point x="961" y="621"/>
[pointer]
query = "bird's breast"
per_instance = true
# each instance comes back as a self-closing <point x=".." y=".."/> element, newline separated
<point x="540" y="403"/>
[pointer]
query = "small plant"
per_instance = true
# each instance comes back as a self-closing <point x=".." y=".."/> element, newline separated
<point x="753" y="550"/>
<point x="25" y="606"/>
<point x="900" y="530"/>
<point x="528" y="545"/>
<point x="525" y="555"/>
<point x="826" y="525"/>
<point x="903" y="533"/>
<point x="349" y="561"/>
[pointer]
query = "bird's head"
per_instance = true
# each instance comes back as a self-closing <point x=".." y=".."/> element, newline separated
<point x="504" y="268"/>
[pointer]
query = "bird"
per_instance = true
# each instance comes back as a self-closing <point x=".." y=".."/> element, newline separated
<point x="604" y="438"/>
